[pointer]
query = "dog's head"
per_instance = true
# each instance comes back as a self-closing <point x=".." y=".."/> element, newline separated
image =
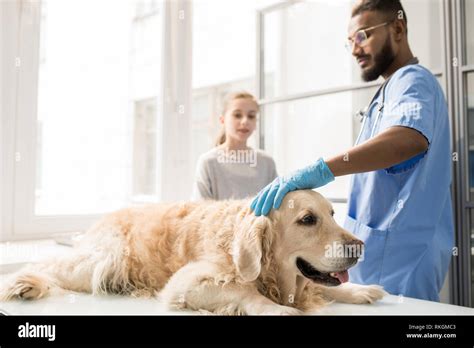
<point x="302" y="237"/>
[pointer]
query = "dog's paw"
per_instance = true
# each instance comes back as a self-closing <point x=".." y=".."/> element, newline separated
<point x="367" y="293"/>
<point x="25" y="287"/>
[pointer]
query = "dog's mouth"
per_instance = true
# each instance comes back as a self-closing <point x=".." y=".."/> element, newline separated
<point x="330" y="278"/>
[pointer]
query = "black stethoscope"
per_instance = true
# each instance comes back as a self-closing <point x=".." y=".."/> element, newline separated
<point x="363" y="113"/>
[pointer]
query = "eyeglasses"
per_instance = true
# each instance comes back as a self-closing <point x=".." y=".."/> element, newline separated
<point x="360" y="37"/>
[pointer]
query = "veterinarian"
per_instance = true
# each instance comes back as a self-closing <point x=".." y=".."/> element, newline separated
<point x="399" y="202"/>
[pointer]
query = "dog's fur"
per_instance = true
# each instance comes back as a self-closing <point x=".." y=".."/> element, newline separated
<point x="209" y="256"/>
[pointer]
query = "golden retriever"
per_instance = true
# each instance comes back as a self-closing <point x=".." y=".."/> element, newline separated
<point x="211" y="256"/>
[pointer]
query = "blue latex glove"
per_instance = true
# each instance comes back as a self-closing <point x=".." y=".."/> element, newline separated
<point x="313" y="176"/>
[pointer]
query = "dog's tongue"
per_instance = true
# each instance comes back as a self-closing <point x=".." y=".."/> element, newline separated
<point x="342" y="276"/>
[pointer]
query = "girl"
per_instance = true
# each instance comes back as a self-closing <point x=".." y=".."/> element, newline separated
<point x="233" y="170"/>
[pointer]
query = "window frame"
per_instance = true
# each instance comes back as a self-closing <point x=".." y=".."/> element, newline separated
<point x="461" y="289"/>
<point x="18" y="103"/>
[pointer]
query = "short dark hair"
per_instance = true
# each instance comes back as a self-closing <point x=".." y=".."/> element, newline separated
<point x="392" y="8"/>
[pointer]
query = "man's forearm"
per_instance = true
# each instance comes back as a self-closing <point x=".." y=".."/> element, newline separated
<point x="391" y="147"/>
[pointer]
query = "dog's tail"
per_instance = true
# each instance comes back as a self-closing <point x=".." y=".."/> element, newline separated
<point x="98" y="269"/>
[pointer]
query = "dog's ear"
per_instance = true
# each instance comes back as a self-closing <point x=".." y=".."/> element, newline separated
<point x="249" y="244"/>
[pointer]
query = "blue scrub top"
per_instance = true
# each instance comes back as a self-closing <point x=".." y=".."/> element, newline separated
<point x="404" y="213"/>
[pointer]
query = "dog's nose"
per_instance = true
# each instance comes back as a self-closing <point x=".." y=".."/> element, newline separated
<point x="356" y="247"/>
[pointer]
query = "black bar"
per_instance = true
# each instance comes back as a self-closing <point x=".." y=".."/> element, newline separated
<point x="259" y="330"/>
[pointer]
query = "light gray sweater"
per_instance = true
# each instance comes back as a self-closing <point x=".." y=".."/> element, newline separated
<point x="233" y="174"/>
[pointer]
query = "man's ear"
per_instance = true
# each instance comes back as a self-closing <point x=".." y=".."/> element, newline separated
<point x="247" y="247"/>
<point x="399" y="30"/>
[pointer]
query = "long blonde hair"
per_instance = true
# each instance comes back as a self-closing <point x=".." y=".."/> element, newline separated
<point x="230" y="97"/>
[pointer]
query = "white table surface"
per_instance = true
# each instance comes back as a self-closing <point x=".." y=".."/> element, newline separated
<point x="84" y="304"/>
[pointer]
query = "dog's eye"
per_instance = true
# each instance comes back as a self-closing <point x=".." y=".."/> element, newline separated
<point x="332" y="212"/>
<point x="308" y="220"/>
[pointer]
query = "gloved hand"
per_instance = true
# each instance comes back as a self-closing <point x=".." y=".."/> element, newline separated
<point x="313" y="176"/>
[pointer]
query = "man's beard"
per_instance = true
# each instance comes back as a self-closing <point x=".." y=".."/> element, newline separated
<point x="381" y="63"/>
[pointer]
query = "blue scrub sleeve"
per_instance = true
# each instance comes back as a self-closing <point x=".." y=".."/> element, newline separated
<point x="411" y="101"/>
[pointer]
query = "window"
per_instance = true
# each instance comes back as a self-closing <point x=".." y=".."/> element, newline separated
<point x="145" y="8"/>
<point x="304" y="44"/>
<point x="89" y="110"/>
<point x="224" y="39"/>
<point x="83" y="105"/>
